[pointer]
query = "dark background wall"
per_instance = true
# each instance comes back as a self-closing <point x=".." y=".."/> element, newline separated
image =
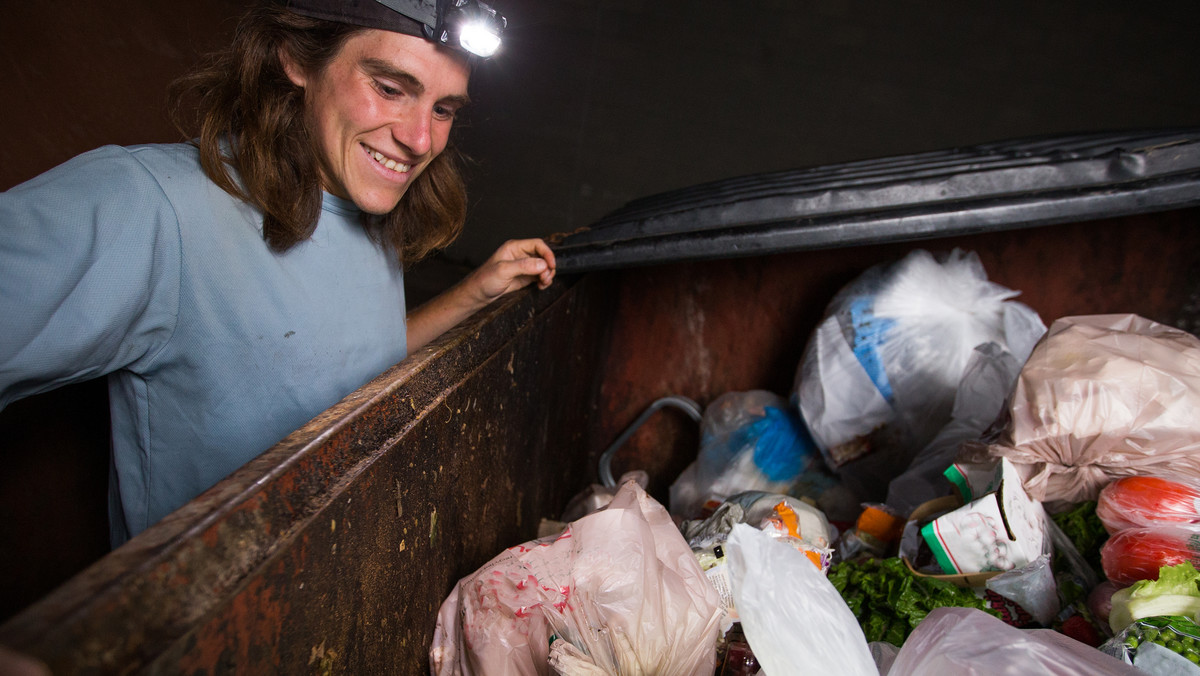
<point x="590" y="105"/>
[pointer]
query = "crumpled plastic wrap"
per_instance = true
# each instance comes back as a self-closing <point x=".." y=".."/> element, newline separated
<point x="620" y="585"/>
<point x="1103" y="397"/>
<point x="973" y="643"/>
<point x="1144" y="501"/>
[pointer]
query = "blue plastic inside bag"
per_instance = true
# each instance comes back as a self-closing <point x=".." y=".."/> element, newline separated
<point x="782" y="445"/>
<point x="870" y="333"/>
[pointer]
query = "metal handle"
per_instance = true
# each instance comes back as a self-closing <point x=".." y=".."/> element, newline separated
<point x="682" y="403"/>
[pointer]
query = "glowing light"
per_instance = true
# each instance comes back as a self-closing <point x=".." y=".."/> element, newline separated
<point x="479" y="38"/>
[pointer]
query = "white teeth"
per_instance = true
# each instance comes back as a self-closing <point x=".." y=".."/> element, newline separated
<point x="388" y="162"/>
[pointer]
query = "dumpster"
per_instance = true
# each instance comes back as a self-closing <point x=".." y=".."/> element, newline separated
<point x="332" y="551"/>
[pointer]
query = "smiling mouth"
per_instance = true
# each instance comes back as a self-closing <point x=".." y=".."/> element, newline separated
<point x="387" y="161"/>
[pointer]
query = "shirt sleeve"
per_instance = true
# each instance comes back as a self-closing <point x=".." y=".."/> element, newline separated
<point x="89" y="273"/>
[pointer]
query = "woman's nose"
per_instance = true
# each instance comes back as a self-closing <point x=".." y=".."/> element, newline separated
<point x="414" y="132"/>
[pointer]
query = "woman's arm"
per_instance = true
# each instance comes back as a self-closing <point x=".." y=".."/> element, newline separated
<point x="515" y="265"/>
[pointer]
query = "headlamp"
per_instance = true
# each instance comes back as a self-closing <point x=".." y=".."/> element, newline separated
<point x="469" y="24"/>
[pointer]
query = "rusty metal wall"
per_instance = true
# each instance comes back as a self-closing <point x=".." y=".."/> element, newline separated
<point x="706" y="328"/>
<point x="332" y="552"/>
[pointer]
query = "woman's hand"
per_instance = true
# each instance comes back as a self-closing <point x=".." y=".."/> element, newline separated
<point x="515" y="265"/>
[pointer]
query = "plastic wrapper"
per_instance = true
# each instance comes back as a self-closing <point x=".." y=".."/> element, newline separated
<point x="782" y="517"/>
<point x="876" y="533"/>
<point x="879" y="376"/>
<point x="1104" y="397"/>
<point x="973" y="643"/>
<point x="793" y="618"/>
<point x="1139" y="553"/>
<point x="986" y="382"/>
<point x="748" y="441"/>
<point x="620" y="586"/>
<point x="1162" y="646"/>
<point x="1031" y="588"/>
<point x="1139" y="501"/>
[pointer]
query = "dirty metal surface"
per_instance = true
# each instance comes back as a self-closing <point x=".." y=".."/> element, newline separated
<point x="332" y="551"/>
<point x="700" y="329"/>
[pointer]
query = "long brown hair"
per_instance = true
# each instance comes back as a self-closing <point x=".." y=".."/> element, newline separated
<point x="251" y="118"/>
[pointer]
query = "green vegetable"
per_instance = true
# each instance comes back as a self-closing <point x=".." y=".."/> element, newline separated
<point x="1086" y="531"/>
<point x="1175" y="592"/>
<point x="889" y="601"/>
<point x="1175" y="633"/>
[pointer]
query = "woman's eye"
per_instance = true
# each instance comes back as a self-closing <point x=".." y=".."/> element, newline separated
<point x="445" y="112"/>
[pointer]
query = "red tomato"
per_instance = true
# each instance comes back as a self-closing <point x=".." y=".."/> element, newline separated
<point x="1145" y="501"/>
<point x="1137" y="553"/>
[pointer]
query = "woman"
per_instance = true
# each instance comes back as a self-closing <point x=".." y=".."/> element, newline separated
<point x="234" y="287"/>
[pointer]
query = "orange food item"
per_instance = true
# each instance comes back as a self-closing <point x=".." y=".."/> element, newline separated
<point x="1138" y="501"/>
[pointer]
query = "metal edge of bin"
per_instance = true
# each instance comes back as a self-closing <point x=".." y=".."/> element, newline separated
<point x="135" y="603"/>
<point x="986" y="188"/>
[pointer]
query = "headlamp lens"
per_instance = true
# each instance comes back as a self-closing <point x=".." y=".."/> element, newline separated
<point x="479" y="38"/>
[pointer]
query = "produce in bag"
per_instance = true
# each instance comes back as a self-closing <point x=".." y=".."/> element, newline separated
<point x="1137" y="554"/>
<point x="1159" y="645"/>
<point x="1104" y="397"/>
<point x="879" y="375"/>
<point x="749" y="441"/>
<point x="1137" y="501"/>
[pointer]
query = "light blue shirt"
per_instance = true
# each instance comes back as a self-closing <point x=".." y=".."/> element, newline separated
<point x="131" y="263"/>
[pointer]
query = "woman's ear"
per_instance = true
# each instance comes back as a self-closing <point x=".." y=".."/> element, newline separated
<point x="293" y="71"/>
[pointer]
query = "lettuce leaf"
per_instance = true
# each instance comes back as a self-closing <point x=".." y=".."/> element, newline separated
<point x="1175" y="592"/>
<point x="889" y="601"/>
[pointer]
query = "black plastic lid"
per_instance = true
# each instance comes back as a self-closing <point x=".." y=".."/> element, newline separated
<point x="989" y="187"/>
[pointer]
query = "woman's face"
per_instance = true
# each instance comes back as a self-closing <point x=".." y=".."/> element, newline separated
<point x="380" y="112"/>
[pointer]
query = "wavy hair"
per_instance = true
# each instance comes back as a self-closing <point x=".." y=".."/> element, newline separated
<point x="255" y="143"/>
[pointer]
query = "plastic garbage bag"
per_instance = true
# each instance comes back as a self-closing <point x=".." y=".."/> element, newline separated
<point x="620" y="586"/>
<point x="793" y="618"/>
<point x="972" y="642"/>
<point x="879" y="375"/>
<point x="748" y="441"/>
<point x="1104" y="397"/>
<point x="986" y="381"/>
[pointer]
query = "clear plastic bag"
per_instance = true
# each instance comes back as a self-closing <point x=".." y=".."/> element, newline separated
<point x="1140" y="501"/>
<point x="1104" y="397"/>
<point x="620" y="585"/>
<point x="973" y="643"/>
<point x="793" y="618"/>
<point x="1136" y="554"/>
<point x="749" y="441"/>
<point x="879" y="375"/>
<point x="1159" y="645"/>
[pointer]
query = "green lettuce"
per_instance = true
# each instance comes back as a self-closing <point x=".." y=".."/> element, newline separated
<point x="889" y="601"/>
<point x="1175" y="592"/>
